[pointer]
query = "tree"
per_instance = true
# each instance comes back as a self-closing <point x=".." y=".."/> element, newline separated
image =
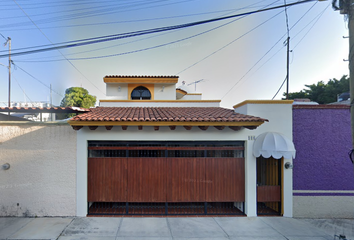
<point x="321" y="92"/>
<point x="77" y="97"/>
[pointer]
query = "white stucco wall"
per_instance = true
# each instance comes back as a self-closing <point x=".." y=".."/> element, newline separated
<point x="165" y="92"/>
<point x="148" y="103"/>
<point x="41" y="180"/>
<point x="192" y="96"/>
<point x="323" y="206"/>
<point x="280" y="120"/>
<point x="117" y="91"/>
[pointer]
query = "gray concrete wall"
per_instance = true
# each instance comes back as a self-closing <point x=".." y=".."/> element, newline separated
<point x="41" y="180"/>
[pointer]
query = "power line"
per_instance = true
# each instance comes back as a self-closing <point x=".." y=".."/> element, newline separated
<point x="315" y="21"/>
<point x="129" y="21"/>
<point x="3" y="37"/>
<point x="143" y="32"/>
<point x="267" y="53"/>
<point x="37" y="79"/>
<point x="124" y="21"/>
<point x="144" y="49"/>
<point x="226" y="45"/>
<point x="280" y="87"/>
<point x="58" y="50"/>
<point x="93" y="13"/>
<point x="21" y="88"/>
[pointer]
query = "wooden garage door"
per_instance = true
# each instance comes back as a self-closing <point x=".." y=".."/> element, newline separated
<point x="225" y="180"/>
<point x="166" y="172"/>
<point x="107" y="180"/>
<point x="186" y="180"/>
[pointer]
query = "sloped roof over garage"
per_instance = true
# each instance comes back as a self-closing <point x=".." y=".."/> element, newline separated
<point x="166" y="116"/>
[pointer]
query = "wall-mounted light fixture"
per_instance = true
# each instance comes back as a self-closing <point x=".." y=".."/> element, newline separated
<point x="288" y="165"/>
<point x="6" y="166"/>
<point x="119" y="88"/>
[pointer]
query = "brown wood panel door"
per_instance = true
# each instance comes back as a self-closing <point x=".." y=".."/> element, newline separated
<point x="268" y="194"/>
<point x="186" y="180"/>
<point x="146" y="180"/>
<point x="225" y="179"/>
<point x="107" y="180"/>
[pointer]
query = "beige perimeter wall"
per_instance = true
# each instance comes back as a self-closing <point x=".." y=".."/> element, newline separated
<point x="41" y="180"/>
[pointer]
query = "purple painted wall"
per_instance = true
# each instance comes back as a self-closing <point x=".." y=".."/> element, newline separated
<point x="322" y="139"/>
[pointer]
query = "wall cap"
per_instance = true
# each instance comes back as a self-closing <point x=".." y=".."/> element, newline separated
<point x="263" y="102"/>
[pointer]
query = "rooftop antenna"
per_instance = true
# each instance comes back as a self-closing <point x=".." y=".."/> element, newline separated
<point x="195" y="83"/>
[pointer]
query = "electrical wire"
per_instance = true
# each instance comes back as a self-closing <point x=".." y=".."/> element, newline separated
<point x="144" y="32"/>
<point x="236" y="39"/>
<point x="130" y="21"/>
<point x="58" y="50"/>
<point x="37" y="79"/>
<point x="139" y="40"/>
<point x="228" y="44"/>
<point x="21" y="88"/>
<point x="165" y="44"/>
<point x="105" y="23"/>
<point x="148" y="31"/>
<point x="317" y="19"/>
<point x="3" y="37"/>
<point x="267" y="53"/>
<point x="93" y="13"/>
<point x="280" y="87"/>
<point x="286" y="17"/>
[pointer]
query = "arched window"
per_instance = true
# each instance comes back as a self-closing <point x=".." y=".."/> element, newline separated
<point x="141" y="93"/>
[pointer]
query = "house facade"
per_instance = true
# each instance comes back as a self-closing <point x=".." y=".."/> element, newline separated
<point x="154" y="148"/>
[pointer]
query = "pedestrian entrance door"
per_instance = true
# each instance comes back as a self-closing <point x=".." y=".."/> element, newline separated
<point x="269" y="175"/>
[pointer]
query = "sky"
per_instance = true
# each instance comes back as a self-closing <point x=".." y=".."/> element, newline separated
<point x="237" y="59"/>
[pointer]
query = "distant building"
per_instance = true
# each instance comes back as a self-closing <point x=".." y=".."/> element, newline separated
<point x="37" y="117"/>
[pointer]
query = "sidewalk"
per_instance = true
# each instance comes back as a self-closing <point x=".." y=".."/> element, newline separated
<point x="216" y="228"/>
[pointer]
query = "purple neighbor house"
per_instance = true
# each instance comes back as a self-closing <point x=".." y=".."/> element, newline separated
<point x="323" y="175"/>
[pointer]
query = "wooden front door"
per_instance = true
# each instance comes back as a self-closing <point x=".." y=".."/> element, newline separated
<point x="269" y="173"/>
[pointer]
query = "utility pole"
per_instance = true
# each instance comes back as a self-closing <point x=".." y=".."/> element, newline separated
<point x="51" y="103"/>
<point x="346" y="7"/>
<point x="349" y="11"/>
<point x="287" y="67"/>
<point x="9" y="102"/>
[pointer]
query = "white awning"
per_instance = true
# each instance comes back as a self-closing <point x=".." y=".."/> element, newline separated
<point x="273" y="144"/>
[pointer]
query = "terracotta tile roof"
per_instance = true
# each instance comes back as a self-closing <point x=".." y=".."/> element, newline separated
<point x="122" y="76"/>
<point x="165" y="114"/>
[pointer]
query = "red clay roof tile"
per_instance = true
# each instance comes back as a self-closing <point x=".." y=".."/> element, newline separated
<point x="159" y="114"/>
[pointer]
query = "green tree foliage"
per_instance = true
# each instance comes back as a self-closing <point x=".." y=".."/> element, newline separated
<point x="321" y="92"/>
<point x="76" y="97"/>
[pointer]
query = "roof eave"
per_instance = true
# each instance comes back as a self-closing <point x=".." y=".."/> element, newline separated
<point x="163" y="123"/>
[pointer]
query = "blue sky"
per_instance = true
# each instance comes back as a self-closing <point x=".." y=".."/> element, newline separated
<point x="238" y="59"/>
